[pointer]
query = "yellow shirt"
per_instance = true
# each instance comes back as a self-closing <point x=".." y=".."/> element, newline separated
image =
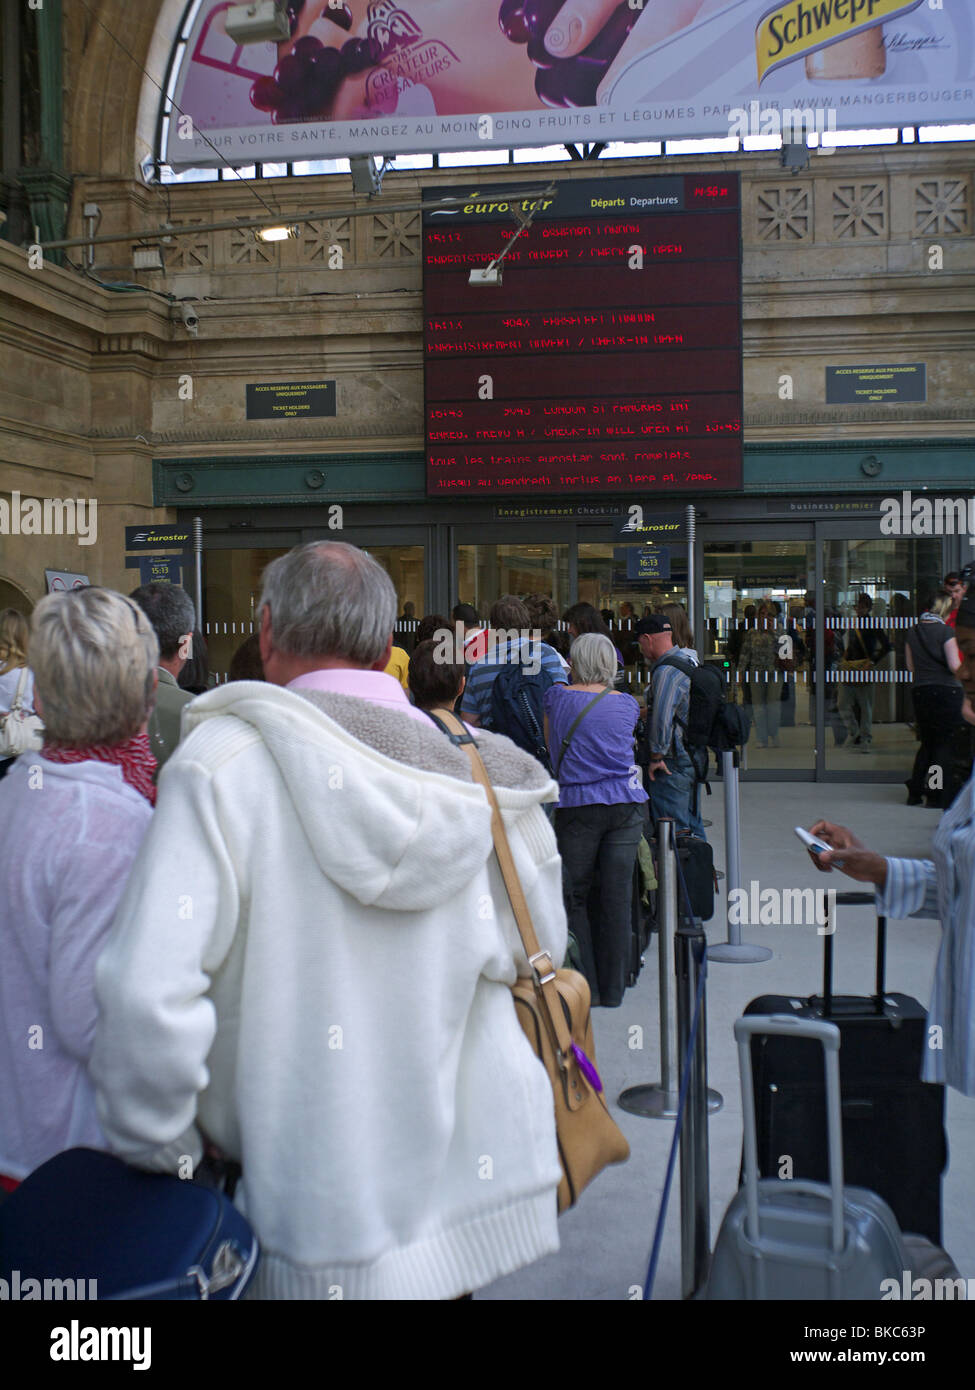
<point x="399" y="665"/>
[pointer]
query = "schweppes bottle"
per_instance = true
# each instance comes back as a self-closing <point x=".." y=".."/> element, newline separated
<point x="838" y="39"/>
<point x="862" y="56"/>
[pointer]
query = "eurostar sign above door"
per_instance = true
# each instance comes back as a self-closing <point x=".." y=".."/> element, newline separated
<point x="373" y="76"/>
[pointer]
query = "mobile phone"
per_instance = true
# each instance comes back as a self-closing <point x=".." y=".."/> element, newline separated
<point x="810" y="841"/>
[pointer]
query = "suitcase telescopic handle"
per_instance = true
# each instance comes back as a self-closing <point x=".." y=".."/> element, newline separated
<point x="857" y="899"/>
<point x="819" y="1031"/>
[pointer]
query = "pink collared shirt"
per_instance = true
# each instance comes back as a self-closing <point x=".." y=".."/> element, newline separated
<point x="374" y="686"/>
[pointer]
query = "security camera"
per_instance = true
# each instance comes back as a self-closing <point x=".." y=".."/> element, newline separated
<point x="191" y="318"/>
<point x="261" y="22"/>
<point x="489" y="275"/>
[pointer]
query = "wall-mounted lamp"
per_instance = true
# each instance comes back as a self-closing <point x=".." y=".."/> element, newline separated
<point x="281" y="233"/>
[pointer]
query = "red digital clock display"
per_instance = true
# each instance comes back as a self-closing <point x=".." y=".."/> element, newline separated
<point x="609" y="356"/>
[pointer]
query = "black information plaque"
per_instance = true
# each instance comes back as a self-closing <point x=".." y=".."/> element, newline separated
<point x="290" y="400"/>
<point x="891" y="383"/>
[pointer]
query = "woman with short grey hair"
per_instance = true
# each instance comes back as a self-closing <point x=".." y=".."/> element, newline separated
<point x="593" y="660"/>
<point x="601" y="812"/>
<point x="71" y="820"/>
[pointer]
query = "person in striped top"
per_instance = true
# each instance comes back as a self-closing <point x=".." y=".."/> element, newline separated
<point x="510" y="640"/>
<point x="941" y="887"/>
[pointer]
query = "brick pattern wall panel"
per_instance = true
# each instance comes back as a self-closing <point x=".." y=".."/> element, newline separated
<point x="781" y="213"/>
<point x="942" y="207"/>
<point x="241" y="247"/>
<point x="316" y="239"/>
<point x="393" y="236"/>
<point x="190" y="252"/>
<point x="859" y="211"/>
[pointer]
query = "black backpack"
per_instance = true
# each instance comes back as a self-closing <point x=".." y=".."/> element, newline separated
<point x="517" y="708"/>
<point x="712" y="723"/>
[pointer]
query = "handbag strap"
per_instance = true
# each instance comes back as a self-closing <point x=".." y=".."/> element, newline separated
<point x="18" y="701"/>
<point x="573" y="726"/>
<point x="550" y="1005"/>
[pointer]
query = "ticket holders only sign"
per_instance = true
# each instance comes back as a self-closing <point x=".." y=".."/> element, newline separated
<point x="608" y="359"/>
<point x="290" y="400"/>
<point x="891" y="383"/>
<point x="377" y="76"/>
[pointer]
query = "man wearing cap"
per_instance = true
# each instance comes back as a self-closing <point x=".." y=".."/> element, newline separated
<point x="670" y="771"/>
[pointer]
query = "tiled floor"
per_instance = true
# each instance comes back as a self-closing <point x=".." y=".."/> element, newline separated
<point x="606" y="1238"/>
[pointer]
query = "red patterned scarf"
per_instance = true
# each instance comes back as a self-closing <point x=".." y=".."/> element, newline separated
<point x="133" y="757"/>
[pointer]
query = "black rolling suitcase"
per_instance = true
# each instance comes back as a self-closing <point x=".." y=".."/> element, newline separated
<point x="641" y="924"/>
<point x="894" y="1139"/>
<point x="641" y="921"/>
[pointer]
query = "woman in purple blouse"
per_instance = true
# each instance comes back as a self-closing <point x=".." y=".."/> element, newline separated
<point x="601" y="811"/>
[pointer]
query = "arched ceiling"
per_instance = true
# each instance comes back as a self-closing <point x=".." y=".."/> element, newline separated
<point x="110" y="105"/>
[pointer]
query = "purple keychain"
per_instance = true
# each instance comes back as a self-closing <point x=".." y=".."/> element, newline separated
<point x="587" y="1068"/>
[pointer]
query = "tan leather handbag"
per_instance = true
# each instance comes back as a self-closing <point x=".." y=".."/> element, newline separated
<point x="553" y="1009"/>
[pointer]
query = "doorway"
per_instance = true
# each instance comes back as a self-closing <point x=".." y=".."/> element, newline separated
<point x="822" y="678"/>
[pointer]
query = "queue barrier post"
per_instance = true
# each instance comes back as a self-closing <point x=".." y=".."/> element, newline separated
<point x="659" y="1100"/>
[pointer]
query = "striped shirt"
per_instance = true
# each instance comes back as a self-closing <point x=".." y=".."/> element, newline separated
<point x="668" y="694"/>
<point x="944" y="887"/>
<point x="481" y="675"/>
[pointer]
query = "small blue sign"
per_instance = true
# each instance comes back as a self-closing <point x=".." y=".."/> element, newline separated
<point x="156" y="569"/>
<point x="648" y="562"/>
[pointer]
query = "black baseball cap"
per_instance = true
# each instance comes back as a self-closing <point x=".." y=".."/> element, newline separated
<point x="651" y="625"/>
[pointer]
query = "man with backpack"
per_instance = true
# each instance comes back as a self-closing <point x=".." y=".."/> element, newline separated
<point x="505" y="689"/>
<point x="675" y="765"/>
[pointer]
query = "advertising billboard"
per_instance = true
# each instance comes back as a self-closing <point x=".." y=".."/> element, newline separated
<point x="380" y="77"/>
<point x="608" y="356"/>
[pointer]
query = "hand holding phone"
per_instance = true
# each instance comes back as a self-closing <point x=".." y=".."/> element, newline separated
<point x="857" y="862"/>
<point x="810" y="841"/>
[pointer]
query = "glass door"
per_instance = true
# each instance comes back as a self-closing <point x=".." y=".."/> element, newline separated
<point x="627" y="581"/>
<point x="874" y="590"/>
<point x="231" y="595"/>
<point x="759" y="612"/>
<point x="498" y="559"/>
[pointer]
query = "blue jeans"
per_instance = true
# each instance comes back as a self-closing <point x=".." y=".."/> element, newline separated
<point x="606" y="835"/>
<point x="767" y="707"/>
<point x="855" y="704"/>
<point x="676" y="796"/>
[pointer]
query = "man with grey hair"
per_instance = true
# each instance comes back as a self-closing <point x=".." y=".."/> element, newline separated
<point x="312" y="964"/>
<point x="170" y="611"/>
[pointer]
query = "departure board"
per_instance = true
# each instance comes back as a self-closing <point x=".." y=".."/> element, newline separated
<point x="608" y="359"/>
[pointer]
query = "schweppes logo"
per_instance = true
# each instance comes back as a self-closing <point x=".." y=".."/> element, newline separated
<point x="798" y="27"/>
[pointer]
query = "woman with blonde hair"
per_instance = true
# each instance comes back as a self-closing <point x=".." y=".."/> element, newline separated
<point x="16" y="677"/>
<point x="71" y="819"/>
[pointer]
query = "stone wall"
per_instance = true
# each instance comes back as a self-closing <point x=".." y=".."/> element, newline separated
<point x="837" y="265"/>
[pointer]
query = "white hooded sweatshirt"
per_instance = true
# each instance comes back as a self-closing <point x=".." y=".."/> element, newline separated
<point x="312" y="960"/>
